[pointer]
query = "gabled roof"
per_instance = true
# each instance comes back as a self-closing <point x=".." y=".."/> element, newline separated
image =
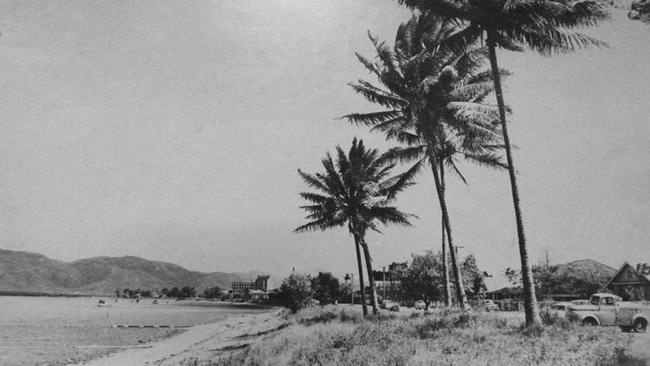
<point x="632" y="271"/>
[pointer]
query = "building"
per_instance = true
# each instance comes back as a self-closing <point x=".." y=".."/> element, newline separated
<point x="629" y="284"/>
<point x="241" y="288"/>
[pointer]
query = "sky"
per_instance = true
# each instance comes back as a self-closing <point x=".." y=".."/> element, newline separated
<point x="173" y="131"/>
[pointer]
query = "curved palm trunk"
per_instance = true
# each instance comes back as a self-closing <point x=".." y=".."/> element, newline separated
<point x="445" y="270"/>
<point x="357" y="246"/>
<point x="371" y="279"/>
<point x="530" y="301"/>
<point x="458" y="282"/>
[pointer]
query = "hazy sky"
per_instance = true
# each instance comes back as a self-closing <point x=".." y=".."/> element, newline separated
<point x="173" y="130"/>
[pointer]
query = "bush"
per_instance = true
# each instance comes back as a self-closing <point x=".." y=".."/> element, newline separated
<point x="326" y="287"/>
<point x="554" y="319"/>
<point x="295" y="292"/>
<point x="319" y="317"/>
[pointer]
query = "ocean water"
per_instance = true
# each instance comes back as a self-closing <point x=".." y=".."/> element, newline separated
<point x="59" y="331"/>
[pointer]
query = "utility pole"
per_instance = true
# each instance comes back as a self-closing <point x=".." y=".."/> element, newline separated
<point x="383" y="283"/>
<point x="546" y="258"/>
<point x="352" y="288"/>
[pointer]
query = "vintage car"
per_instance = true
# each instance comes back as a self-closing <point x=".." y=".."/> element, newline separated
<point x="608" y="310"/>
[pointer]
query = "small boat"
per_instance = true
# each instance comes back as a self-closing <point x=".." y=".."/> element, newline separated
<point x="102" y="304"/>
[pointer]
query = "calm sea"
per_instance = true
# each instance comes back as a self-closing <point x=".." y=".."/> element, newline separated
<point x="58" y="331"/>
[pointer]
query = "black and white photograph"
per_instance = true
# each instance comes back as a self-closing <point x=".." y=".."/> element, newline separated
<point x="324" y="182"/>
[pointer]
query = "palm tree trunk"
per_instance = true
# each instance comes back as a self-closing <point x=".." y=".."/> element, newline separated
<point x="357" y="246"/>
<point x="445" y="270"/>
<point x="458" y="281"/>
<point x="371" y="279"/>
<point x="530" y="301"/>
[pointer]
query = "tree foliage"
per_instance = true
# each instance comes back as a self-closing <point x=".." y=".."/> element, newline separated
<point x="546" y="26"/>
<point x="423" y="278"/>
<point x="179" y="293"/>
<point x="432" y="100"/>
<point x="562" y="279"/>
<point x="355" y="190"/>
<point x="212" y="292"/>
<point x="473" y="277"/>
<point x="326" y="288"/>
<point x="295" y="292"/>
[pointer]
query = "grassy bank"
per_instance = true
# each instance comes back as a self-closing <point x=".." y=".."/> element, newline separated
<point x="337" y="335"/>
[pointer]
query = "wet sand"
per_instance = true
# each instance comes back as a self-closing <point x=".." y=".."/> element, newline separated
<point x="199" y="344"/>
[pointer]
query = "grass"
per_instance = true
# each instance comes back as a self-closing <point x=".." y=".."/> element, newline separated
<point x="337" y="335"/>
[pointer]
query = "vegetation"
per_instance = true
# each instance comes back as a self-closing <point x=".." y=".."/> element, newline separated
<point x="179" y="293"/>
<point x="579" y="279"/>
<point x="326" y="288"/>
<point x="423" y="279"/>
<point x="213" y="292"/>
<point x="355" y="191"/>
<point x="336" y="335"/>
<point x="432" y="99"/>
<point x="295" y="292"/>
<point x="544" y="26"/>
<point x="474" y="278"/>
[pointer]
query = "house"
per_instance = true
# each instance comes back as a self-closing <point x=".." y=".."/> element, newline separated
<point x="629" y="284"/>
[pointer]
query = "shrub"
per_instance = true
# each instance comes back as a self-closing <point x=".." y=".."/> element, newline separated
<point x="319" y="317"/>
<point x="295" y="292"/>
<point x="554" y="319"/>
<point x="326" y="288"/>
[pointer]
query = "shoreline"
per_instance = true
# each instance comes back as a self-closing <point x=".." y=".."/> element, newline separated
<point x="200" y="342"/>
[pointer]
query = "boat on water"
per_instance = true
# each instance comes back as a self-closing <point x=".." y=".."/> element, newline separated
<point x="102" y="303"/>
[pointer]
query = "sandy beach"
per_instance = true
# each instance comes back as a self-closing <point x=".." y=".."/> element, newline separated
<point x="198" y="344"/>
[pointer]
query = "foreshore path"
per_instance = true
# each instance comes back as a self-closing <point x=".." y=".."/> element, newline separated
<point x="199" y="343"/>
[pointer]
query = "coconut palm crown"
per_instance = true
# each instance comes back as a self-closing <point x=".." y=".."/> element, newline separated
<point x="355" y="190"/>
<point x="546" y="26"/>
<point x="433" y="99"/>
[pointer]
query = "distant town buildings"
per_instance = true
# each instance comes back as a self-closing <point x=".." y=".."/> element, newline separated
<point x="242" y="288"/>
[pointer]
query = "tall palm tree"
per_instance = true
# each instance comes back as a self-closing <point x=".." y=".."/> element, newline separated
<point x="434" y="100"/>
<point x="545" y="26"/>
<point x="355" y="190"/>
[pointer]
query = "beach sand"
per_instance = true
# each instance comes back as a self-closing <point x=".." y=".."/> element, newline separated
<point x="198" y="344"/>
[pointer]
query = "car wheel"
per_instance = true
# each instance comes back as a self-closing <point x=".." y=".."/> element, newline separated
<point x="590" y="322"/>
<point x="640" y="325"/>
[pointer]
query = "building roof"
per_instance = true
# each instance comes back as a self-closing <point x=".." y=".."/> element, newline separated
<point x="627" y="274"/>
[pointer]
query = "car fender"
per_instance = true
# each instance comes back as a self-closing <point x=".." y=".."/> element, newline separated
<point x="640" y="316"/>
<point x="583" y="317"/>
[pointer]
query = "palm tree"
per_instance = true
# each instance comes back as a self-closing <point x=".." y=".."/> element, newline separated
<point x="545" y="26"/>
<point x="434" y="100"/>
<point x="355" y="191"/>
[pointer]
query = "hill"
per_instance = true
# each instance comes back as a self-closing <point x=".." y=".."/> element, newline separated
<point x="31" y="272"/>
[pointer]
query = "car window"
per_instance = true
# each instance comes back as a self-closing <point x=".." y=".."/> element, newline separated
<point x="595" y="300"/>
<point x="608" y="301"/>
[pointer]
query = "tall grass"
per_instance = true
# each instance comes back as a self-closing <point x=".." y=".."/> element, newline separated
<point x="338" y="336"/>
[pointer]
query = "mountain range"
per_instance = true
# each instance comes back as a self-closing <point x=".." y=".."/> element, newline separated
<point x="24" y="272"/>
